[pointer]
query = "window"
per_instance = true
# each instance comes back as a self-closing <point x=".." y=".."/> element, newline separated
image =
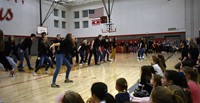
<point x="55" y="12"/>
<point x="63" y="14"/>
<point x="56" y="23"/>
<point x="76" y="14"/>
<point x="63" y="24"/>
<point x="85" y="24"/>
<point x="76" y="25"/>
<point x="85" y="13"/>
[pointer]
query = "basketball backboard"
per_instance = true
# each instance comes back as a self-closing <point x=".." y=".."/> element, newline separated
<point x="108" y="27"/>
<point x="41" y="29"/>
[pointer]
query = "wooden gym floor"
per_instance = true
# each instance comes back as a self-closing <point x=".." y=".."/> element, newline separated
<point x="26" y="88"/>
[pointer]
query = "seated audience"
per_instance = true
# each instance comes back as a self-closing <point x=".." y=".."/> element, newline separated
<point x="174" y="82"/>
<point x="146" y="74"/>
<point x="69" y="97"/>
<point x="162" y="60"/>
<point x="192" y="81"/>
<point x="100" y="94"/>
<point x="164" y="95"/>
<point x="122" y="86"/>
<point x="157" y="65"/>
<point x="156" y="80"/>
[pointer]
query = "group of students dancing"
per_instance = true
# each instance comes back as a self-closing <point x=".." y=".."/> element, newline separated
<point x="60" y="52"/>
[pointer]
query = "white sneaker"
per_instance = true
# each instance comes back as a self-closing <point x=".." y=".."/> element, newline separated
<point x="46" y="72"/>
<point x="35" y="74"/>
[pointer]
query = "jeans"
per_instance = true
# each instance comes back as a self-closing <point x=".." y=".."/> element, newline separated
<point x="14" y="57"/>
<point x="131" y="49"/>
<point x="23" y="54"/>
<point x="61" y="59"/>
<point x="140" y="53"/>
<point x="106" y="52"/>
<point x="93" y="51"/>
<point x="11" y="61"/>
<point x="42" y="59"/>
<point x="82" y="56"/>
<point x="99" y="55"/>
<point x="135" y="49"/>
<point x="5" y="62"/>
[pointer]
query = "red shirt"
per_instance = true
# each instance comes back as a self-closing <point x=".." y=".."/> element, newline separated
<point x="195" y="91"/>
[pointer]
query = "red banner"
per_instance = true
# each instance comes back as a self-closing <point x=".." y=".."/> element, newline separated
<point x="96" y="22"/>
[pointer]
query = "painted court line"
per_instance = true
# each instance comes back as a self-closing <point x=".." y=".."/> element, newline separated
<point x="24" y="81"/>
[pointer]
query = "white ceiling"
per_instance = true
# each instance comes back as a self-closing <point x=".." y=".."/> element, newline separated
<point x="74" y="2"/>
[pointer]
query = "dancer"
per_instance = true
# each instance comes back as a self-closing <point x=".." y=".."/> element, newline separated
<point x="25" y="51"/>
<point x="141" y="49"/>
<point x="3" y="59"/>
<point x="96" y="47"/>
<point x="66" y="48"/>
<point x="43" y="51"/>
<point x="10" y="51"/>
<point x="114" y="45"/>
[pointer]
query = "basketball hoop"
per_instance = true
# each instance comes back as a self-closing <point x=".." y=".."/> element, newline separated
<point x="108" y="28"/>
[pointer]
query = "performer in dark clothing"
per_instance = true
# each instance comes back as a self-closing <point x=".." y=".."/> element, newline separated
<point x="95" y="49"/>
<point x="131" y="46"/>
<point x="11" y="49"/>
<point x="141" y="49"/>
<point x="135" y="47"/>
<point x="106" y="45"/>
<point x="193" y="52"/>
<point x="127" y="46"/>
<point x="122" y="46"/>
<point x="83" y="50"/>
<point x="57" y="40"/>
<point x="114" y="45"/>
<point x="43" y="34"/>
<point x="25" y="51"/>
<point x="55" y="49"/>
<point x="43" y="52"/>
<point x="40" y="40"/>
<point x="75" y="52"/>
<point x="184" y="54"/>
<point x="3" y="59"/>
<point x="66" y="47"/>
<point x="87" y="50"/>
